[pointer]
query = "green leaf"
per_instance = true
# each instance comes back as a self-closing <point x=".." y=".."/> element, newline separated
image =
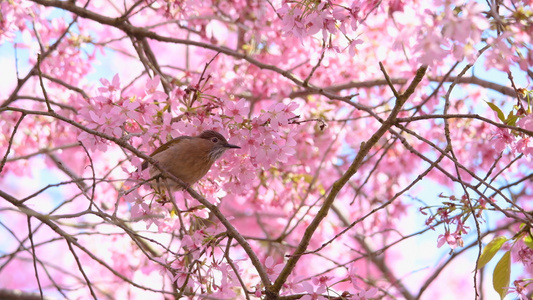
<point x="511" y="119"/>
<point x="528" y="241"/>
<point x="502" y="275"/>
<point x="490" y="250"/>
<point x="495" y="108"/>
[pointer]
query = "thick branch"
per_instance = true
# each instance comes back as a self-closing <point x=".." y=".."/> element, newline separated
<point x="339" y="184"/>
<point x="400" y="81"/>
<point x="20" y="295"/>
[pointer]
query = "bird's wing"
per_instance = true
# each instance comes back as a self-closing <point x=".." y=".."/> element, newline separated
<point x="164" y="147"/>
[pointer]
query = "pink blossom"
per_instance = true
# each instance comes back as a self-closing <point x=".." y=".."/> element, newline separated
<point x="320" y="19"/>
<point x="461" y="227"/>
<point x="258" y="291"/>
<point x="93" y="142"/>
<point x="110" y="87"/>
<point x="525" y="146"/>
<point x="152" y="94"/>
<point x="292" y="21"/>
<point x="352" y="46"/>
<point x="12" y="18"/>
<point x="396" y="5"/>
<point x="452" y="239"/>
<point x="224" y="290"/>
<point x="293" y="285"/>
<point x="238" y="110"/>
<point x="127" y="109"/>
<point x="353" y="276"/>
<point x="519" y="289"/>
<point x="140" y="210"/>
<point x="468" y="25"/>
<point x="365" y="295"/>
<point x="321" y="281"/>
<point x="526" y="122"/>
<point x="525" y="255"/>
<point x="166" y="128"/>
<point x="500" y="56"/>
<point x="501" y="139"/>
<point x="312" y="293"/>
<point x="271" y="269"/>
<point x="355" y="9"/>
<point x="279" y="114"/>
<point x="340" y="14"/>
<point x="431" y="47"/>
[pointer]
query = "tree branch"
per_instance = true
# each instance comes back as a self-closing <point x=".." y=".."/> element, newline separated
<point x="273" y="292"/>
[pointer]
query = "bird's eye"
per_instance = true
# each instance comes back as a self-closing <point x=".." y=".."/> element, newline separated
<point x="214" y="140"/>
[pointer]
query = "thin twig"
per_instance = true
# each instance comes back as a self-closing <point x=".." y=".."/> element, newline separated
<point x="10" y="143"/>
<point x="389" y="81"/>
<point x="34" y="255"/>
<point x="80" y="267"/>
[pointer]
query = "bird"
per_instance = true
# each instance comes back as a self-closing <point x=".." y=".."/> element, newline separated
<point x="188" y="158"/>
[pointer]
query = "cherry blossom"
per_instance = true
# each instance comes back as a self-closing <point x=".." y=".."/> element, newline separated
<point x="312" y="293"/>
<point x="519" y="290"/>
<point x="271" y="269"/>
<point x="365" y="127"/>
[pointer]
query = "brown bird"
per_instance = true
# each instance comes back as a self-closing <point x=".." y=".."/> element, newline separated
<point x="188" y="158"/>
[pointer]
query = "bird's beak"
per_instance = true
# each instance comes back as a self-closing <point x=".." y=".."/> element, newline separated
<point x="232" y="146"/>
